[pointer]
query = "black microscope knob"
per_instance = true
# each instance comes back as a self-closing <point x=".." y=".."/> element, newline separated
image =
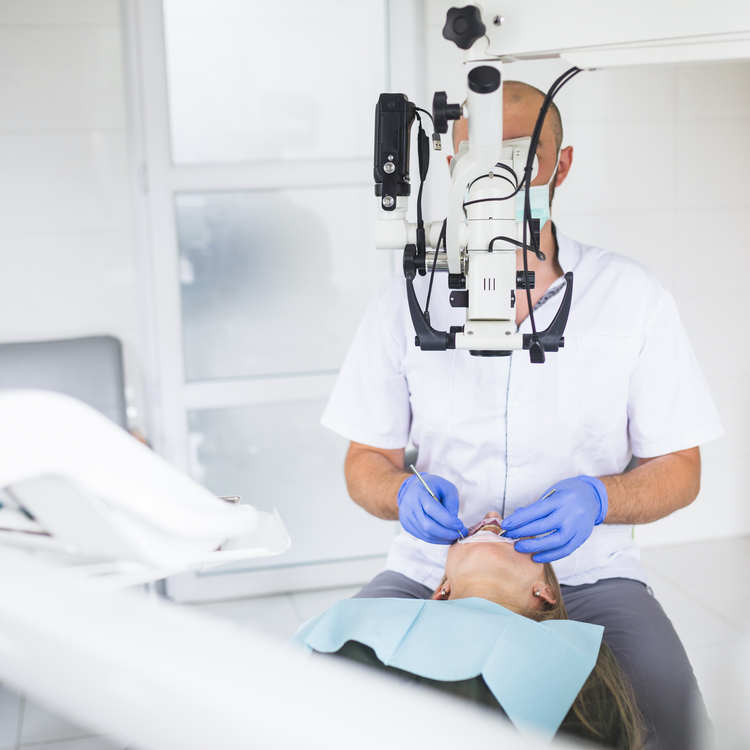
<point x="464" y="26"/>
<point x="442" y="111"/>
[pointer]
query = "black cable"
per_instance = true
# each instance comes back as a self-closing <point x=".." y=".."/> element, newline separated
<point x="434" y="266"/>
<point x="507" y="239"/>
<point x="419" y="109"/>
<point x="423" y="157"/>
<point x="420" y="221"/>
<point x="534" y="249"/>
<point x="491" y="175"/>
<point x="487" y="200"/>
<point x="556" y="86"/>
<point x="436" y="141"/>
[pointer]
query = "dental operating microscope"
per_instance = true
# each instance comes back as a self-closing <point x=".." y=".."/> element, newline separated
<point x="491" y="204"/>
<point x="489" y="214"/>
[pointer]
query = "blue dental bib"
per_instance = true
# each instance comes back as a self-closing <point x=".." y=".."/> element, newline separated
<point x="535" y="670"/>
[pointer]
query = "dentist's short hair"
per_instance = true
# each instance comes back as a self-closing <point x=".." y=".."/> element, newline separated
<point x="517" y="92"/>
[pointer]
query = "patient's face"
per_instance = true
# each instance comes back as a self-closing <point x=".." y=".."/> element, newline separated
<point x="487" y="560"/>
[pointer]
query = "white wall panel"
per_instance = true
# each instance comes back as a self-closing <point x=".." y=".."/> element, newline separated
<point x="66" y="244"/>
<point x="646" y="236"/>
<point x="63" y="182"/>
<point x="60" y="12"/>
<point x="597" y="181"/>
<point x="720" y="510"/>
<point x="61" y="78"/>
<point x="58" y="285"/>
<point x="713" y="163"/>
<point x="620" y="94"/>
<point x="732" y="396"/>
<point x="712" y="323"/>
<point x="708" y="244"/>
<point x="709" y="92"/>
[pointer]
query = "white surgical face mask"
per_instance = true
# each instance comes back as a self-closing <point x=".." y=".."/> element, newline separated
<point x="538" y="198"/>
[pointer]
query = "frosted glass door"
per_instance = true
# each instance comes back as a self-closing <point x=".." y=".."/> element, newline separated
<point x="274" y="282"/>
<point x="279" y="456"/>
<point x="260" y="81"/>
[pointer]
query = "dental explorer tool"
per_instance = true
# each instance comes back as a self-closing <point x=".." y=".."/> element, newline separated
<point x="426" y="486"/>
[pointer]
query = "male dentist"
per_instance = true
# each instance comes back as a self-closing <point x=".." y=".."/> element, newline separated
<point x="500" y="433"/>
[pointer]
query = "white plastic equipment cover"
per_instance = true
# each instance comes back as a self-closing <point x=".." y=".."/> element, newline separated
<point x="95" y="492"/>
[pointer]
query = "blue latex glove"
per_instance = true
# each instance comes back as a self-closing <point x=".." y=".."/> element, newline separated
<point x="426" y="519"/>
<point x="567" y="516"/>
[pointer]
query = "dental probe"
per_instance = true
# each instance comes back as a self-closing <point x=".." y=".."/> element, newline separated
<point x="425" y="485"/>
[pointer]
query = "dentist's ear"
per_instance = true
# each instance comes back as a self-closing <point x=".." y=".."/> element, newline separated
<point x="449" y="157"/>
<point x="566" y="162"/>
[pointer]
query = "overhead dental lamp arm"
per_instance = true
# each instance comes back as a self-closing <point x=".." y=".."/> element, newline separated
<point x="634" y="33"/>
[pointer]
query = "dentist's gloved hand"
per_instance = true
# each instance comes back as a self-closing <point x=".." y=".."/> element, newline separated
<point x="426" y="519"/>
<point x="567" y="516"/>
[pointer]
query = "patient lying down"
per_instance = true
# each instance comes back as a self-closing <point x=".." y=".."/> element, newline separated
<point x="484" y="566"/>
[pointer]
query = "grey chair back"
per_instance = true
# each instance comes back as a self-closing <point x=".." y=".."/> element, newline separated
<point x="89" y="369"/>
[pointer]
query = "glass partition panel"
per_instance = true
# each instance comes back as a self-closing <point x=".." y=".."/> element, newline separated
<point x="253" y="80"/>
<point x="274" y="282"/>
<point x="279" y="456"/>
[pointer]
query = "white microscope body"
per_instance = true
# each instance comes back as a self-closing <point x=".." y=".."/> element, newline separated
<point x="475" y="220"/>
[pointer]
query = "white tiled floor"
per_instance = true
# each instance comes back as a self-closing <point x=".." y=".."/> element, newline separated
<point x="701" y="586"/>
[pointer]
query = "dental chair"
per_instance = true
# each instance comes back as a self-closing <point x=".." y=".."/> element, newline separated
<point x="86" y="493"/>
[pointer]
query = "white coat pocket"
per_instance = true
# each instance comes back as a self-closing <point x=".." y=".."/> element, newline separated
<point x="592" y="392"/>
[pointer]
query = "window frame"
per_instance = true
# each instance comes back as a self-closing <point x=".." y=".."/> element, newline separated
<point x="155" y="181"/>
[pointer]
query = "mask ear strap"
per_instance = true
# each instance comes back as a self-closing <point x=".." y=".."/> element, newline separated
<point x="554" y="171"/>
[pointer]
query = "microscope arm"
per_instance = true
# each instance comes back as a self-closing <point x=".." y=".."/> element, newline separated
<point x="552" y="337"/>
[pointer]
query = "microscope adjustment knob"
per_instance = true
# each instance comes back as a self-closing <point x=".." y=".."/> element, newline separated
<point x="464" y="26"/>
<point x="442" y="111"/>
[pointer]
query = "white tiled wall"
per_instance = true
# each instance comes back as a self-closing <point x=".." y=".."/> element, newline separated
<point x="661" y="174"/>
<point x="66" y="237"/>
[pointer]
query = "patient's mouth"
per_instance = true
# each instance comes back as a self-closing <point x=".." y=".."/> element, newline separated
<point x="485" y="535"/>
<point x="487" y="530"/>
<point x="491" y="524"/>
